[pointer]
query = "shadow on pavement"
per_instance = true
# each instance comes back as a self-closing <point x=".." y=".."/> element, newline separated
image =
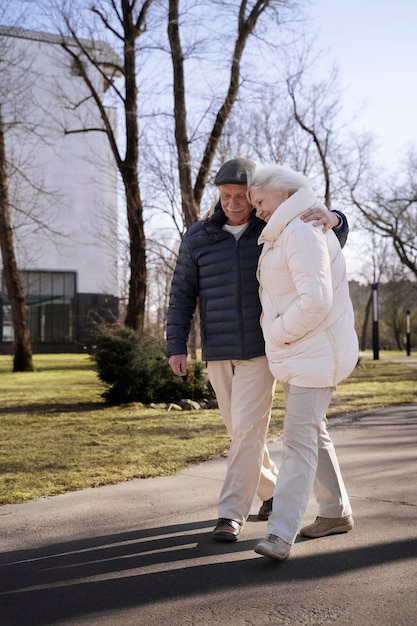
<point x="59" y="582"/>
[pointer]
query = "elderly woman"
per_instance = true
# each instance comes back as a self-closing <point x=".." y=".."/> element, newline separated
<point x="311" y="345"/>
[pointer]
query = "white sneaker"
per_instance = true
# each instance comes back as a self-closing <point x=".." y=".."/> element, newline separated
<point x="273" y="547"/>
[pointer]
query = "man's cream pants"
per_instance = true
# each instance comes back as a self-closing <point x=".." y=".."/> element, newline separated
<point x="244" y="391"/>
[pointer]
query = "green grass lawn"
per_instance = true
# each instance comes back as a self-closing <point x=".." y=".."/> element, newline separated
<point x="58" y="435"/>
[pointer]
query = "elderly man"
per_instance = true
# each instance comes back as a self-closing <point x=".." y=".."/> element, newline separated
<point x="217" y="264"/>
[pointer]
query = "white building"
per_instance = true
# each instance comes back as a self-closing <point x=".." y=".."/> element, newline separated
<point x="63" y="190"/>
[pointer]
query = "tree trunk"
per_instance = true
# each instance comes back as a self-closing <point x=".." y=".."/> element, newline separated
<point x="190" y="208"/>
<point x="135" y="315"/>
<point x="22" y="361"/>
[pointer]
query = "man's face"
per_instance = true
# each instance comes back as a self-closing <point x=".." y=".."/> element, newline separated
<point x="235" y="204"/>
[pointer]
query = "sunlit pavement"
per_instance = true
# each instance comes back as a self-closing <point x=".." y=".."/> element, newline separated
<point x="140" y="553"/>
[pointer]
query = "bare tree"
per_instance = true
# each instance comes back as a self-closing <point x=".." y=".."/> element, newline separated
<point x="389" y="207"/>
<point x="247" y="17"/>
<point x="316" y="110"/>
<point x="22" y="361"/>
<point x="125" y="21"/>
<point x="397" y="297"/>
<point x="22" y="347"/>
<point x="300" y="122"/>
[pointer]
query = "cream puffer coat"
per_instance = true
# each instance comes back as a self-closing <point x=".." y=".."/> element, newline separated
<point x="307" y="315"/>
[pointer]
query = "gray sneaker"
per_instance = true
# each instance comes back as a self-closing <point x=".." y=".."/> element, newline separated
<point x="273" y="547"/>
<point x="323" y="526"/>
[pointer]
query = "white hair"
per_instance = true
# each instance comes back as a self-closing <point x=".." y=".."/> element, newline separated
<point x="274" y="177"/>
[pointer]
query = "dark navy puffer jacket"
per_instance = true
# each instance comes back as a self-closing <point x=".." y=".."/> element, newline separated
<point x="221" y="271"/>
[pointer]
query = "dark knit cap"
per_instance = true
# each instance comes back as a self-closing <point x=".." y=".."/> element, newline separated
<point x="234" y="172"/>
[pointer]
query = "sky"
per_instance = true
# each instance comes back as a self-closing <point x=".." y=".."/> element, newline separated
<point x="374" y="45"/>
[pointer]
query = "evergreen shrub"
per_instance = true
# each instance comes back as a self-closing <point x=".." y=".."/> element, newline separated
<point x="135" y="369"/>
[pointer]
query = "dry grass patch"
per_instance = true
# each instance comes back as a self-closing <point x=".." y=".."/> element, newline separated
<point x="58" y="435"/>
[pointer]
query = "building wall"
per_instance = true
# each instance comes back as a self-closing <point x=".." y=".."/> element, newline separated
<point x="75" y="226"/>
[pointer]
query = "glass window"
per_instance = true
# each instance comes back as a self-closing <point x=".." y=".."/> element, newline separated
<point x="50" y="299"/>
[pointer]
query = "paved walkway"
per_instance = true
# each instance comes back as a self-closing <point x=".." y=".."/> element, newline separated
<point x="140" y="553"/>
<point x="403" y="359"/>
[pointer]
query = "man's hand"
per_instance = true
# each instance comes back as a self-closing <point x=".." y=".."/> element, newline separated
<point x="322" y="217"/>
<point x="178" y="363"/>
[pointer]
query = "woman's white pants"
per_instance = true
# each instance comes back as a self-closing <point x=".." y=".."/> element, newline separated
<point x="309" y="462"/>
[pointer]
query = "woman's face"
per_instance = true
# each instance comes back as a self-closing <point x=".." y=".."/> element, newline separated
<point x="266" y="202"/>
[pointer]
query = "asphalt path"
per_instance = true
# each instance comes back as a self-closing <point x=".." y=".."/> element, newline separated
<point x="140" y="553"/>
